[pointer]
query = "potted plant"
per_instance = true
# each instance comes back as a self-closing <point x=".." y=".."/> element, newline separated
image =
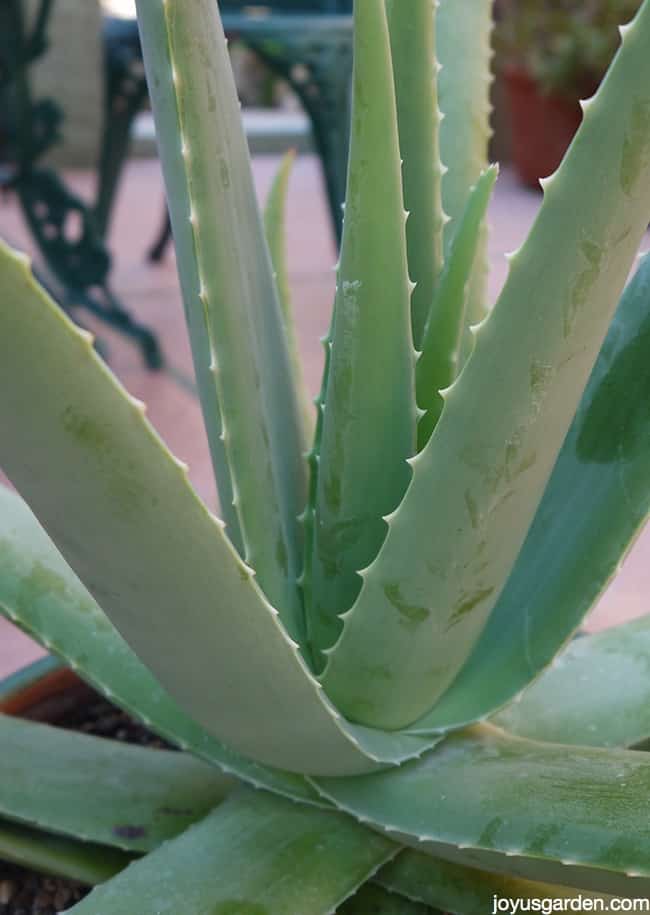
<point x="552" y="55"/>
<point x="354" y="638"/>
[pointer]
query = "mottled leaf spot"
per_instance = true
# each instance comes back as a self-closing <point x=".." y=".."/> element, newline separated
<point x="39" y="584"/>
<point x="636" y="146"/>
<point x="129" y="832"/>
<point x="380" y="672"/>
<point x="411" y="614"/>
<point x="332" y="491"/>
<point x="539" y="838"/>
<point x="467" y="604"/>
<point x="177" y="811"/>
<point x="472" y="509"/>
<point x="541" y="374"/>
<point x="487" y="837"/>
<point x="87" y="431"/>
<point x="584" y="283"/>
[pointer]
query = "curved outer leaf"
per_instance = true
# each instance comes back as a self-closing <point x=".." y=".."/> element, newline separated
<point x="596" y="693"/>
<point x="437" y="366"/>
<point x="370" y="413"/>
<point x="275" y="230"/>
<point x="412" y="39"/>
<point x="122" y="512"/>
<point x="464" y="54"/>
<point x="596" y="501"/>
<point x="456" y="888"/>
<point x="197" y="116"/>
<point x="41" y="594"/>
<point x="476" y="486"/>
<point x="50" y="854"/>
<point x="256" y="855"/>
<point x="576" y="816"/>
<point x="101" y="790"/>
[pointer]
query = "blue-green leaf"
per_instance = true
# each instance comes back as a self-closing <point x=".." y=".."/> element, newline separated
<point x="595" y="694"/>
<point x="576" y="816"/>
<point x="51" y="854"/>
<point x="594" y="505"/>
<point x="256" y="855"/>
<point x="101" y="790"/>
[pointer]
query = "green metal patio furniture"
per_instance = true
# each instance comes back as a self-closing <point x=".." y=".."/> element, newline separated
<point x="308" y="43"/>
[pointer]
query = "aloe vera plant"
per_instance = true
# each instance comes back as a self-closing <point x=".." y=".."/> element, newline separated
<point x="355" y="637"/>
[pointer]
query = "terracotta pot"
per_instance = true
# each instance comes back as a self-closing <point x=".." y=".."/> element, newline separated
<point x="542" y="126"/>
<point x="42" y="691"/>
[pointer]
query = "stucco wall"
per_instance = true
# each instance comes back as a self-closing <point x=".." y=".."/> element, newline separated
<point x="70" y="72"/>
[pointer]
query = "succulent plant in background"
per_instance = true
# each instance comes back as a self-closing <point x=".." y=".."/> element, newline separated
<point x="564" y="45"/>
<point x="355" y="636"/>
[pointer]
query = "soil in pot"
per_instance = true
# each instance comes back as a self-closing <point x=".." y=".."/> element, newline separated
<point x="76" y="708"/>
<point x="23" y="892"/>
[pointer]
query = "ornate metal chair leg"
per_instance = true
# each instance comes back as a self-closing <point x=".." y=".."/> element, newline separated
<point x="158" y="248"/>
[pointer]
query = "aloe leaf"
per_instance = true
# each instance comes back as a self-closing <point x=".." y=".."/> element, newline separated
<point x="228" y="281"/>
<point x="369" y="419"/>
<point x="275" y="229"/>
<point x="427" y="597"/>
<point x="376" y="900"/>
<point x="41" y="594"/>
<point x="575" y="816"/>
<point x="412" y="39"/>
<point x="308" y="518"/>
<point x="466" y="890"/>
<point x="438" y="363"/>
<point x="594" y="505"/>
<point x="256" y="855"/>
<point x="595" y="694"/>
<point x="179" y="202"/>
<point x="157" y="550"/>
<point x="101" y="790"/>
<point x="58" y="856"/>
<point x="464" y="53"/>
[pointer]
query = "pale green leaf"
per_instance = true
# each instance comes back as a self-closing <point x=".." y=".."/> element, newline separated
<point x="595" y="503"/>
<point x="101" y="790"/>
<point x="370" y="413"/>
<point x="595" y="694"/>
<point x="125" y="516"/>
<point x="50" y="854"/>
<point x="464" y="54"/>
<point x="438" y="364"/>
<point x="576" y="816"/>
<point x="476" y="487"/>
<point x="256" y="855"/>
<point x="275" y="229"/>
<point x="466" y="890"/>
<point x="412" y="39"/>
<point x="228" y="281"/>
<point x="42" y="595"/>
